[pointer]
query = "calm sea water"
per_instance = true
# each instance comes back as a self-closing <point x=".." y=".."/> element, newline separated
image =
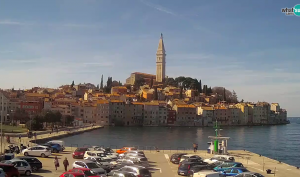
<point x="278" y="142"/>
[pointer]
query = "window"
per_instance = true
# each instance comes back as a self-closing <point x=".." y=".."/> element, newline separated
<point x="235" y="171"/>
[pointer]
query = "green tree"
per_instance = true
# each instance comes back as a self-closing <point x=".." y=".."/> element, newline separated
<point x="224" y="94"/>
<point x="101" y="83"/>
<point x="69" y="120"/>
<point x="200" y="86"/>
<point x="139" y="82"/>
<point x="20" y="115"/>
<point x="72" y="85"/>
<point x="120" y="84"/>
<point x="181" y="95"/>
<point x="155" y="93"/>
<point x="35" y="124"/>
<point x="151" y="83"/>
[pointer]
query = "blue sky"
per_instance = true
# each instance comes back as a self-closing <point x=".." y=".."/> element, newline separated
<point x="246" y="46"/>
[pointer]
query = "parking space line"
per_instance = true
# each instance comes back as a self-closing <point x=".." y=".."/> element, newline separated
<point x="167" y="156"/>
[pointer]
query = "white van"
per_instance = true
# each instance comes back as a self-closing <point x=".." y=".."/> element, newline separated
<point x="61" y="143"/>
<point x="208" y="174"/>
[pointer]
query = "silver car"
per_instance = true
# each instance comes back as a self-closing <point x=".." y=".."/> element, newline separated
<point x="136" y="170"/>
<point x="22" y="166"/>
<point x="93" y="166"/>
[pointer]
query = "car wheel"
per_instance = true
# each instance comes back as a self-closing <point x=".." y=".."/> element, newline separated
<point x="55" y="151"/>
<point x="43" y="155"/>
<point x="14" y="176"/>
<point x="26" y="154"/>
<point x="34" y="168"/>
<point x="28" y="173"/>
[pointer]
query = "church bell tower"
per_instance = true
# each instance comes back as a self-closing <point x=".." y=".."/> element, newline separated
<point x="160" y="61"/>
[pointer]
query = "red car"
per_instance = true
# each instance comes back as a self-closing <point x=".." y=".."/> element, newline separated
<point x="72" y="174"/>
<point x="10" y="170"/>
<point x="79" y="153"/>
<point x="85" y="171"/>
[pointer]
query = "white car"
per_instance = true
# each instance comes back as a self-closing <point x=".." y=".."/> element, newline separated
<point x="217" y="158"/>
<point x="95" y="154"/>
<point x="42" y="151"/>
<point x="22" y="166"/>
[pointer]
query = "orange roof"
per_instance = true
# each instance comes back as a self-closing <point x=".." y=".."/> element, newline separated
<point x="114" y="94"/>
<point x="130" y="95"/>
<point x="145" y="74"/>
<point x="36" y="95"/>
<point x="207" y="108"/>
<point x="119" y="87"/>
<point x="186" y="106"/>
<point x="222" y="107"/>
<point x="153" y="104"/>
<point x="138" y="103"/>
<point x="102" y="102"/>
<point x="116" y="101"/>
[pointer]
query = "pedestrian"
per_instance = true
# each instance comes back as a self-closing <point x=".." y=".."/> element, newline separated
<point x="66" y="164"/>
<point x="195" y="147"/>
<point x="56" y="163"/>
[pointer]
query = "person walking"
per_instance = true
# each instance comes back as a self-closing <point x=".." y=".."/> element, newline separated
<point x="195" y="147"/>
<point x="66" y="164"/>
<point x="56" y="162"/>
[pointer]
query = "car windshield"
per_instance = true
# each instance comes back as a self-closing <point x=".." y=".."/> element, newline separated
<point x="92" y="165"/>
<point x="8" y="162"/>
<point x="226" y="165"/>
<point x="244" y="170"/>
<point x="101" y="154"/>
<point x="184" y="166"/>
<point x="143" y="159"/>
<point x="80" y="150"/>
<point x="102" y="160"/>
<point x="89" y="173"/>
<point x="258" y="175"/>
<point x="80" y="176"/>
<point x="144" y="172"/>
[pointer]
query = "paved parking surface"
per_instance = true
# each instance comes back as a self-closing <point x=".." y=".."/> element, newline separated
<point x="160" y="166"/>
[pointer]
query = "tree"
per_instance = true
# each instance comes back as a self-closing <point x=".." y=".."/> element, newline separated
<point x="20" y="115"/>
<point x="108" y="86"/>
<point x="120" y="84"/>
<point x="219" y="91"/>
<point x="205" y="89"/>
<point x="69" y="120"/>
<point x="224" y="94"/>
<point x="151" y="83"/>
<point x="98" y="86"/>
<point x="142" y="97"/>
<point x="180" y="95"/>
<point x="72" y="85"/>
<point x="35" y="124"/>
<point x="101" y="83"/>
<point x="200" y="86"/>
<point x="139" y="82"/>
<point x="171" y="82"/>
<point x="234" y="97"/>
<point x="155" y="93"/>
<point x="242" y="101"/>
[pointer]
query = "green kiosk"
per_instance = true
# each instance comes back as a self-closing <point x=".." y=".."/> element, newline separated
<point x="218" y="143"/>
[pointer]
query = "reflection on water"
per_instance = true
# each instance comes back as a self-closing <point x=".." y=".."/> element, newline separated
<point x="278" y="142"/>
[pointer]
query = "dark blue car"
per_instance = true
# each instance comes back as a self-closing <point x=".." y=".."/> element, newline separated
<point x="56" y="148"/>
<point x="227" y="165"/>
<point x="234" y="171"/>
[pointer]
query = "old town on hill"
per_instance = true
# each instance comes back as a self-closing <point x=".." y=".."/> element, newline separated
<point x="144" y="100"/>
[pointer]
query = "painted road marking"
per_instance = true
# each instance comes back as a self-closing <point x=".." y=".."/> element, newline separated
<point x="158" y="169"/>
<point x="167" y="156"/>
<point x="288" y="169"/>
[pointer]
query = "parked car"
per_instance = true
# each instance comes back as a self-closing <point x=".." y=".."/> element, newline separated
<point x="185" y="167"/>
<point x="219" y="158"/>
<point x="55" y="148"/>
<point x="90" y="165"/>
<point x="79" y="153"/>
<point x="125" y="149"/>
<point x="208" y="174"/>
<point x="109" y="150"/>
<point x="72" y="174"/>
<point x="87" y="172"/>
<point x="136" y="170"/>
<point x="106" y="154"/>
<point x="33" y="162"/>
<point x="194" y="160"/>
<point x="2" y="173"/>
<point x="61" y="143"/>
<point x="42" y="151"/>
<point x="175" y="158"/>
<point x="123" y="174"/>
<point x="142" y="161"/>
<point x="10" y="170"/>
<point x="101" y="162"/>
<point x="187" y="156"/>
<point x="132" y="153"/>
<point x="249" y="174"/>
<point x="22" y="166"/>
<point x="197" y="168"/>
<point x="234" y="171"/>
<point x="226" y="165"/>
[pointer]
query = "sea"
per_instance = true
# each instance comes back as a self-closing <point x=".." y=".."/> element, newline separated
<point x="280" y="142"/>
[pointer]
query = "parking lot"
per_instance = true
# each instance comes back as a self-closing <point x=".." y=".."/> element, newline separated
<point x="160" y="166"/>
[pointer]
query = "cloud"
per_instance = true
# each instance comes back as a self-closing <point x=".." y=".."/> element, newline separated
<point x="10" y="22"/>
<point x="158" y="7"/>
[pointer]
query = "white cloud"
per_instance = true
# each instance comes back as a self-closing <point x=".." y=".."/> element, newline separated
<point x="10" y="22"/>
<point x="158" y="7"/>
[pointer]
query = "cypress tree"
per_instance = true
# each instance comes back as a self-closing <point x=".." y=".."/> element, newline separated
<point x="200" y="86"/>
<point x="101" y="83"/>
<point x="224" y="94"/>
<point x="151" y="83"/>
<point x="155" y="94"/>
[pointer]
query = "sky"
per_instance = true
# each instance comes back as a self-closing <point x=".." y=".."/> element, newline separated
<point x="250" y="47"/>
